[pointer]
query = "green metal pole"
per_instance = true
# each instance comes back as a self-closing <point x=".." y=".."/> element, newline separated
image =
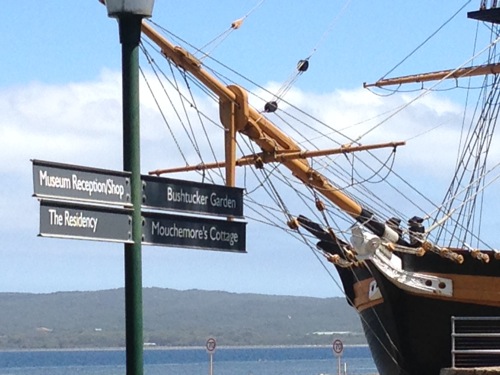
<point x="130" y="31"/>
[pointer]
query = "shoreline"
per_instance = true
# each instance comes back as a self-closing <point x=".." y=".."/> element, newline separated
<point x="153" y="348"/>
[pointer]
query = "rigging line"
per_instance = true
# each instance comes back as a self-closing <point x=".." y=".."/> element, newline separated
<point x="275" y="195"/>
<point x="466" y="99"/>
<point x="219" y="39"/>
<point x="391" y="92"/>
<point x="306" y="199"/>
<point x="469" y="148"/>
<point x="392" y="157"/>
<point x="261" y="182"/>
<point x="324" y="266"/>
<point x="172" y="133"/>
<point x="327" y="32"/>
<point x="183" y="100"/>
<point x="475" y="188"/>
<point x="202" y="124"/>
<point x="303" y="197"/>
<point x="427" y="39"/>
<point x="421" y="134"/>
<point x="251" y="146"/>
<point x="209" y="93"/>
<point x="482" y="188"/>
<point x="186" y="115"/>
<point x="175" y="86"/>
<point x="215" y="42"/>
<point x="266" y="219"/>
<point x="271" y="210"/>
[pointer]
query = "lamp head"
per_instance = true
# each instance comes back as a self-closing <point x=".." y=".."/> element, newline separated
<point x="118" y="8"/>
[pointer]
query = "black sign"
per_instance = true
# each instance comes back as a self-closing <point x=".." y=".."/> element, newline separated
<point x="193" y="232"/>
<point x="67" y="220"/>
<point x="70" y="182"/>
<point x="188" y="196"/>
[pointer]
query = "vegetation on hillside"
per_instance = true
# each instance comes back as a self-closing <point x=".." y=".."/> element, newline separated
<point x="173" y="318"/>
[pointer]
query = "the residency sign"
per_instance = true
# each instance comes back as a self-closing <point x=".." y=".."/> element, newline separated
<point x="68" y="220"/>
<point x="193" y="232"/>
<point x="188" y="196"/>
<point x="70" y="182"/>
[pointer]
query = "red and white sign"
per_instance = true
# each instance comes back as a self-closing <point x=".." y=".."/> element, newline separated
<point x="211" y="344"/>
<point x="338" y="347"/>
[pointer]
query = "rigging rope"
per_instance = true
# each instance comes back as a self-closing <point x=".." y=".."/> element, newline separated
<point x="427" y="39"/>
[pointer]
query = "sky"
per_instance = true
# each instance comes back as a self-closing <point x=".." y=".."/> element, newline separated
<point x="60" y="101"/>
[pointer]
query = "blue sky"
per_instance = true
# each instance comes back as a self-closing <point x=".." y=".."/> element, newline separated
<point x="57" y="55"/>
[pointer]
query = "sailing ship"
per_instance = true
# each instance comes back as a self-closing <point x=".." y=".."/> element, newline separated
<point x="407" y="274"/>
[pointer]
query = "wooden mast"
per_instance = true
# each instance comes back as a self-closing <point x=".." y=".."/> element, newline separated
<point x="262" y="157"/>
<point x="435" y="76"/>
<point x="235" y="114"/>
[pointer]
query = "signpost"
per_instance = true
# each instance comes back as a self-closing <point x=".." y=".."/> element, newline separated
<point x="193" y="232"/>
<point x="192" y="197"/>
<point x="338" y="350"/>
<point x="211" y="345"/>
<point x="67" y="220"/>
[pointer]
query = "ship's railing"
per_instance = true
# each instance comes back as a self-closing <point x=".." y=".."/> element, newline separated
<point x="475" y="341"/>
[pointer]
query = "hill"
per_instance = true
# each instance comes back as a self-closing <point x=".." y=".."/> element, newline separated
<point x="173" y="318"/>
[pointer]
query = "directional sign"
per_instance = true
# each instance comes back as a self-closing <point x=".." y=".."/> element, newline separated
<point x="189" y="196"/>
<point x="193" y="232"/>
<point x="76" y="183"/>
<point x="65" y="220"/>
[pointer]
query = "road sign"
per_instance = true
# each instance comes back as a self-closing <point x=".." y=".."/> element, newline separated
<point x="76" y="183"/>
<point x="338" y="347"/>
<point x="189" y="196"/>
<point x="65" y="220"/>
<point x="211" y="345"/>
<point x="193" y="232"/>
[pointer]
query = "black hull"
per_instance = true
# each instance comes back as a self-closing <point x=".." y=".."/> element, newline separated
<point x="410" y="334"/>
<point x="407" y="323"/>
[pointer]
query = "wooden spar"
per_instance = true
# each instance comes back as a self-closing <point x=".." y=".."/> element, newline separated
<point x="270" y="158"/>
<point x="435" y="76"/>
<point x="259" y="129"/>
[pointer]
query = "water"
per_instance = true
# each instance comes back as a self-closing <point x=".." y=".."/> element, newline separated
<point x="226" y="361"/>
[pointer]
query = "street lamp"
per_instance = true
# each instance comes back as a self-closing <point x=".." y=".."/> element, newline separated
<point x="130" y="14"/>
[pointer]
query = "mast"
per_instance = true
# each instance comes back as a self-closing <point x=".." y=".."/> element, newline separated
<point x="436" y="76"/>
<point x="237" y="116"/>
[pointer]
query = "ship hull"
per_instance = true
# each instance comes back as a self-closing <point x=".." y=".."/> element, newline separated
<point x="406" y="302"/>
<point x="408" y="333"/>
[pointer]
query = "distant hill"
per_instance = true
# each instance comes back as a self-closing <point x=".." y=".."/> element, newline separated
<point x="173" y="318"/>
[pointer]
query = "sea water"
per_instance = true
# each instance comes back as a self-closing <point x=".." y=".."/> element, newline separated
<point x="226" y="361"/>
